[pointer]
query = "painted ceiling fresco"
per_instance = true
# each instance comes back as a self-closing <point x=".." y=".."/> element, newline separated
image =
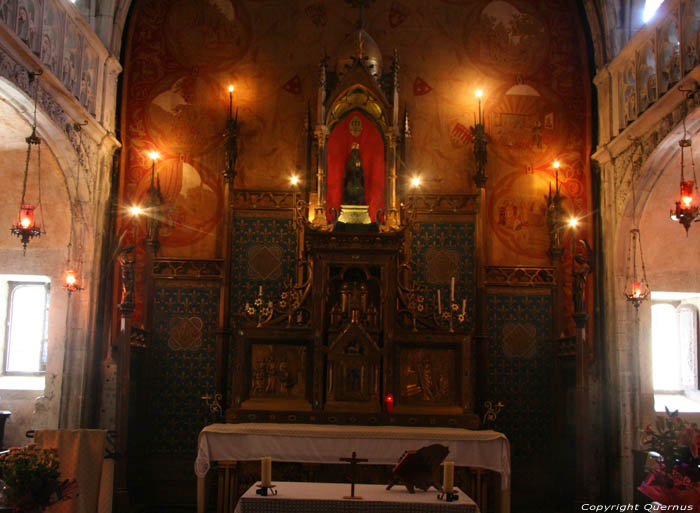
<point x="527" y="56"/>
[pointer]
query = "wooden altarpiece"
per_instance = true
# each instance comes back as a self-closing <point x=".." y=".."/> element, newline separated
<point x="346" y="339"/>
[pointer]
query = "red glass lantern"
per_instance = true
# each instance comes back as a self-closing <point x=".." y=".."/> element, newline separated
<point x="71" y="283"/>
<point x="686" y="210"/>
<point x="25" y="227"/>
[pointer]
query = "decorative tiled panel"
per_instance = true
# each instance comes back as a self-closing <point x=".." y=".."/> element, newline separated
<point x="440" y="251"/>
<point x="263" y="254"/>
<point x="520" y="366"/>
<point x="182" y="365"/>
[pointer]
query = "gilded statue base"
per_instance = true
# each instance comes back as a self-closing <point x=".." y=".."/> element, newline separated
<point x="354" y="214"/>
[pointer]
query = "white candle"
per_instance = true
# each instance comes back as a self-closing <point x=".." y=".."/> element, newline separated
<point x="452" y="290"/>
<point x="266" y="471"/>
<point x="439" y="303"/>
<point x="448" y="476"/>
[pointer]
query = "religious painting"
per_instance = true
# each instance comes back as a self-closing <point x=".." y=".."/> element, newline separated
<point x="507" y="38"/>
<point x="427" y="376"/>
<point x="356" y="136"/>
<point x="192" y="201"/>
<point x="278" y="371"/>
<point x="518" y="215"/>
<point x="52" y="37"/>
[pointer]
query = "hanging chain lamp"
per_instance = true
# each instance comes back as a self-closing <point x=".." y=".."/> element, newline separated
<point x="26" y="228"/>
<point x="636" y="285"/>
<point x="687" y="209"/>
<point x="73" y="277"/>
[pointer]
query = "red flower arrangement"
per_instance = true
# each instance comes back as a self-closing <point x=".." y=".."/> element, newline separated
<point x="32" y="477"/>
<point x="675" y="480"/>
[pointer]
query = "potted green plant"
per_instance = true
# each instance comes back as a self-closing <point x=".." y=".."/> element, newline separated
<point x="33" y="479"/>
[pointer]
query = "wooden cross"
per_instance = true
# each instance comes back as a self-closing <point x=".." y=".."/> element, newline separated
<point x="353" y="473"/>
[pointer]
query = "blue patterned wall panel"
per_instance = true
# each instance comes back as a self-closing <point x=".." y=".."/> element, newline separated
<point x="440" y="251"/>
<point x="520" y="366"/>
<point x="182" y="367"/>
<point x="264" y="252"/>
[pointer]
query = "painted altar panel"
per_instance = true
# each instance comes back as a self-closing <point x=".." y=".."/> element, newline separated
<point x="278" y="371"/>
<point x="427" y="376"/>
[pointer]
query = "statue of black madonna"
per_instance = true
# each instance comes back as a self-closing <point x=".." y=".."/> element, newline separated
<point x="354" y="190"/>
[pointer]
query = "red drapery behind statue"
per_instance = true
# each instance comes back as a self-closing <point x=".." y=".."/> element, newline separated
<point x="372" y="157"/>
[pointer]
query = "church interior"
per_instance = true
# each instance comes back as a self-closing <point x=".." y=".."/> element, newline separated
<point x="351" y="216"/>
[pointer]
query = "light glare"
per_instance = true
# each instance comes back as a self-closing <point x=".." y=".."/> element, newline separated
<point x="573" y="222"/>
<point x="415" y="181"/>
<point x="479" y="93"/>
<point x="650" y="8"/>
<point x="135" y="210"/>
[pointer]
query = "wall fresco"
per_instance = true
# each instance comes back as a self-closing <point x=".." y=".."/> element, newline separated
<point x="524" y="54"/>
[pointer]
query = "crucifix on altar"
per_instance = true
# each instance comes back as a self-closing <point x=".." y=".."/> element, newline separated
<point x="354" y="460"/>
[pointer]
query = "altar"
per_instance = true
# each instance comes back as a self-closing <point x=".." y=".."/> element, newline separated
<point x="383" y="445"/>
<point x="325" y="497"/>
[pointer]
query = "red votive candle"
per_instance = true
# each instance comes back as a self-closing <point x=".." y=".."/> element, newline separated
<point x="389" y="403"/>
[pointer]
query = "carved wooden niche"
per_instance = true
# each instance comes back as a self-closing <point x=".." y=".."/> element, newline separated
<point x="354" y="360"/>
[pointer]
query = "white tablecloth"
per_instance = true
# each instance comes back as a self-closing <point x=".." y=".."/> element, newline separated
<point x="327" y="497"/>
<point x="382" y="445"/>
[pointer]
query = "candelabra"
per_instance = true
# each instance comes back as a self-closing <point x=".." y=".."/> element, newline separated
<point x="555" y="213"/>
<point x="480" y="141"/>
<point x="261" y="310"/>
<point x="455" y="314"/>
<point x="214" y="404"/>
<point x="415" y="302"/>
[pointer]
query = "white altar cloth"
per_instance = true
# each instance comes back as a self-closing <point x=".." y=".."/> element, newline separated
<point x="382" y="445"/>
<point x="326" y="497"/>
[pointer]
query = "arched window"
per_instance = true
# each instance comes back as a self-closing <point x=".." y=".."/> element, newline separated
<point x="674" y="340"/>
<point x="650" y="8"/>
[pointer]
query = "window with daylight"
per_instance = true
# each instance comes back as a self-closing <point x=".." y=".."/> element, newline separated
<point x="674" y="339"/>
<point x="27" y="327"/>
<point x="650" y="8"/>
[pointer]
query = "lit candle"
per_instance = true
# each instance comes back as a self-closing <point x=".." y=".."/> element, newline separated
<point x="448" y="476"/>
<point x="266" y="471"/>
<point x="479" y="94"/>
<point x="439" y="302"/>
<point x="230" y="102"/>
<point x="389" y="403"/>
<point x="452" y="289"/>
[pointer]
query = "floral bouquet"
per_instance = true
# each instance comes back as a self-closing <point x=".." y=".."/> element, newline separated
<point x="675" y="480"/>
<point x="32" y="477"/>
